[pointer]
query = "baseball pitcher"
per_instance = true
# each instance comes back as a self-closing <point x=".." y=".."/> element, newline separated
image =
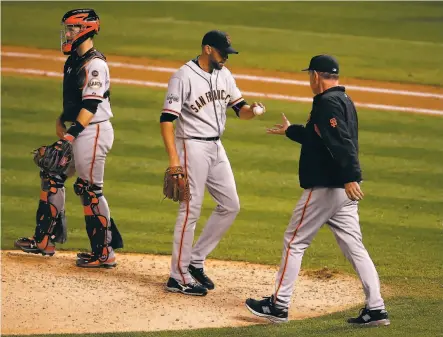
<point x="198" y="97"/>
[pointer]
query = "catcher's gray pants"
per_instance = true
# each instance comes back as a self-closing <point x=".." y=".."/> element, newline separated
<point x="316" y="207"/>
<point x="90" y="150"/>
<point x="206" y="164"/>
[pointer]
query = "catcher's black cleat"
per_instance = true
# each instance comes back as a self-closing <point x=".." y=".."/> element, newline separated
<point x="84" y="256"/>
<point x="193" y="289"/>
<point x="199" y="275"/>
<point x="88" y="260"/>
<point x="370" y="318"/>
<point x="29" y="245"/>
<point x="266" y="308"/>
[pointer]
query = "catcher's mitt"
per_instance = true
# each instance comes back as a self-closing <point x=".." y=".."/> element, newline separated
<point x="54" y="158"/>
<point x="176" y="185"/>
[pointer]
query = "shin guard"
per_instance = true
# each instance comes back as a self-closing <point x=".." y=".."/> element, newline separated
<point x="51" y="225"/>
<point x="97" y="224"/>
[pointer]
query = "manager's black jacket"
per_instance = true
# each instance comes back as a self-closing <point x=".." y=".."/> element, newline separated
<point x="329" y="152"/>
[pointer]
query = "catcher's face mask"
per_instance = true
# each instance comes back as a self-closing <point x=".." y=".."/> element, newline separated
<point x="78" y="25"/>
<point x="67" y="35"/>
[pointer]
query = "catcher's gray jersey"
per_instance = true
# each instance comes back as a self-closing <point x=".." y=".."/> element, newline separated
<point x="97" y="83"/>
<point x="200" y="100"/>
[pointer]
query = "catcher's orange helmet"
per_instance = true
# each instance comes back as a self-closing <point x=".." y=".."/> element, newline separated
<point x="78" y="25"/>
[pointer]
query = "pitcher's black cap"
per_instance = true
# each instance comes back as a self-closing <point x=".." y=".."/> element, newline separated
<point x="219" y="40"/>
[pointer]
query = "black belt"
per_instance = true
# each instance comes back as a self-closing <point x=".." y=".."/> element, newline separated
<point x="98" y="122"/>
<point x="206" y="138"/>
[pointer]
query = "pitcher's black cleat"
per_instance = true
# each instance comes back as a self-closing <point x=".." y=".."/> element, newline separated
<point x="199" y="275"/>
<point x="193" y="289"/>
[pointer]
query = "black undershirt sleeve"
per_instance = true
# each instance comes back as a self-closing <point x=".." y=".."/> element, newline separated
<point x="165" y="117"/>
<point x="91" y="105"/>
<point x="238" y="107"/>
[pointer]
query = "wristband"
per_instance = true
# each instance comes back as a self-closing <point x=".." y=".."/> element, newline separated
<point x="75" y="129"/>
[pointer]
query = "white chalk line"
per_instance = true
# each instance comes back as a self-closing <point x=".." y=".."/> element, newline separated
<point x="245" y="93"/>
<point x="237" y="76"/>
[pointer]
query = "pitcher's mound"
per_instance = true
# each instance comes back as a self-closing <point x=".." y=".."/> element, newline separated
<point x="52" y="295"/>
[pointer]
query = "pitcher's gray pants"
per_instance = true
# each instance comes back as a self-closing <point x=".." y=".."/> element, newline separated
<point x="206" y="165"/>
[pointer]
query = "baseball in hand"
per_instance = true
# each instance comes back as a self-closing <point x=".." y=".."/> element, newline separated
<point x="258" y="110"/>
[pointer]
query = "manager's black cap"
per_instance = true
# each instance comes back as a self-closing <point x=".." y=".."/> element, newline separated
<point x="219" y="40"/>
<point x="324" y="64"/>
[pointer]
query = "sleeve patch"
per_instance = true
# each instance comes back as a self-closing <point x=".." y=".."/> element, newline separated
<point x="94" y="83"/>
<point x="172" y="98"/>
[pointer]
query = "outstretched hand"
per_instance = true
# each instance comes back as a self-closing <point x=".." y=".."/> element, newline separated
<point x="280" y="129"/>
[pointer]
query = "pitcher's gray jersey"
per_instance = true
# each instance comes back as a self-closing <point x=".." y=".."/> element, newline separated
<point x="97" y="83"/>
<point x="200" y="100"/>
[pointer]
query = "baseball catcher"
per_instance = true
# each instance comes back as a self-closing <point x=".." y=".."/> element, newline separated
<point x="82" y="148"/>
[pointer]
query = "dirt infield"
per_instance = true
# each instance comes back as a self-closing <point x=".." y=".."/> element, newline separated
<point x="51" y="295"/>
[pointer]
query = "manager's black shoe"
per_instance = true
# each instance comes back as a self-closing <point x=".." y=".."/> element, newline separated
<point x="266" y="308"/>
<point x="199" y="275"/>
<point x="193" y="289"/>
<point x="370" y="318"/>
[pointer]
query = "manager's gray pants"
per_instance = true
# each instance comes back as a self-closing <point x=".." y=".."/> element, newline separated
<point x="316" y="207"/>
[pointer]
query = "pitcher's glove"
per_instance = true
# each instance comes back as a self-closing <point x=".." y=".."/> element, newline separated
<point x="54" y="158"/>
<point x="176" y="185"/>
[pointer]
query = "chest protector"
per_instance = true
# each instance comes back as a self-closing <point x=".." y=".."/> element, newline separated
<point x="74" y="81"/>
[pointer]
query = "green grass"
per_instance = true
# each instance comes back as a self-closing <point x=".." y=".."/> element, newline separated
<point x="390" y="41"/>
<point x="401" y="216"/>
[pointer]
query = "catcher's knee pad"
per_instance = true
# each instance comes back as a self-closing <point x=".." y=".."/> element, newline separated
<point x="51" y="224"/>
<point x="97" y="225"/>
